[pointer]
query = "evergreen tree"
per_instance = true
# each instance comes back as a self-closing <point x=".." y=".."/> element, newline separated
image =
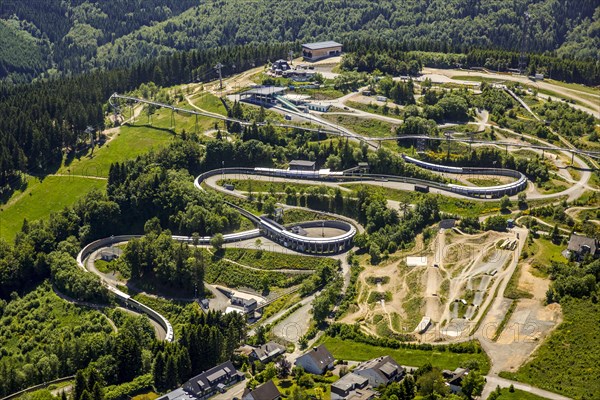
<point x="80" y="385"/>
<point x="171" y="373"/>
<point x="158" y="371"/>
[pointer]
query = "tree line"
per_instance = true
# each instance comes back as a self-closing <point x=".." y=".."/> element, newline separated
<point x="46" y="119"/>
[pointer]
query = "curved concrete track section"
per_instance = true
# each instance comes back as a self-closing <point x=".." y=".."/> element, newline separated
<point x="492" y="191"/>
<point x="285" y="237"/>
<point x="122" y="296"/>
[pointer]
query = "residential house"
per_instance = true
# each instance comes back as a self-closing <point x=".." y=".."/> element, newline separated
<point x="279" y="66"/>
<point x="266" y="391"/>
<point x="215" y="380"/>
<point x="267" y="352"/>
<point x="380" y="371"/>
<point x="177" y="394"/>
<point x="316" y="361"/>
<point x="454" y="379"/>
<point x="580" y="246"/>
<point x="351" y="387"/>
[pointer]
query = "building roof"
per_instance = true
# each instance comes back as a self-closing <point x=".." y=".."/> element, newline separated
<point x="265" y="90"/>
<point x="576" y="243"/>
<point x="320" y="356"/>
<point x="302" y="163"/>
<point x="268" y="350"/>
<point x="386" y="367"/>
<point x="321" y="45"/>
<point x="447" y="223"/>
<point x="349" y="382"/>
<point x="177" y="394"/>
<point x="266" y="391"/>
<point x="455" y="377"/>
<point x="210" y="379"/>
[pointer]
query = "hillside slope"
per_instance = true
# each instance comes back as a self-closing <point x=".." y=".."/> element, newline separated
<point x="86" y="34"/>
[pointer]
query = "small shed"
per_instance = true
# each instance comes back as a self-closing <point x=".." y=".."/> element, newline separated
<point x="303" y="165"/>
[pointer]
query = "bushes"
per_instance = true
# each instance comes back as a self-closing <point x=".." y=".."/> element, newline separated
<point x="353" y="332"/>
<point x="71" y="280"/>
<point x="495" y="223"/>
<point x="126" y="390"/>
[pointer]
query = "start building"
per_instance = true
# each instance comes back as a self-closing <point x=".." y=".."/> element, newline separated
<point x="319" y="50"/>
<point x="263" y="95"/>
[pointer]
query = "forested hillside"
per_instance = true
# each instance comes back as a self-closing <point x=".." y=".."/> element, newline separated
<point x="78" y="35"/>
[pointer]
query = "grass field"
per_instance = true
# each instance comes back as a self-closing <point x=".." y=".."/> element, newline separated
<point x="131" y="142"/>
<point x="544" y="252"/>
<point x="255" y="186"/>
<point x="506" y="394"/>
<point x="465" y="208"/>
<point x="373" y="108"/>
<point x="41" y="198"/>
<point x="485" y="181"/>
<point x="575" y="86"/>
<point x="271" y="260"/>
<point x="286" y="386"/>
<point x="470" y="78"/>
<point x="568" y="361"/>
<point x="54" y="192"/>
<point x="362" y="126"/>
<point x="349" y="350"/>
<point x="146" y="396"/>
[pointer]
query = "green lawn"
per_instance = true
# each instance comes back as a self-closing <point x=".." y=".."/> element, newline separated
<point x="374" y="108"/>
<point x="255" y="186"/>
<point x="506" y="394"/>
<point x="41" y="198"/>
<point x="131" y="142"/>
<point x="286" y="386"/>
<point x="470" y="78"/>
<point x="544" y="252"/>
<point x="53" y="193"/>
<point x="209" y="102"/>
<point x="463" y="207"/>
<point x="362" y="126"/>
<point x="575" y="86"/>
<point x="567" y="362"/>
<point x="485" y="181"/>
<point x="271" y="260"/>
<point x="350" y="350"/>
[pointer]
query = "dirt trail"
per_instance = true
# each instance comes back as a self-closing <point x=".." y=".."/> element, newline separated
<point x="590" y="106"/>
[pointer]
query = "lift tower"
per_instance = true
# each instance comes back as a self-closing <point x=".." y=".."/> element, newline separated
<point x="218" y="67"/>
<point x="524" y="41"/>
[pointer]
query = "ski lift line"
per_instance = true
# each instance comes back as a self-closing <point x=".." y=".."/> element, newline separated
<point x="215" y="116"/>
<point x="340" y="132"/>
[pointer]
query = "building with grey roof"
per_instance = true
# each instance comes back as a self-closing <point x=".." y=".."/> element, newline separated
<point x="267" y="352"/>
<point x="380" y="371"/>
<point x="580" y="246"/>
<point x="319" y="50"/>
<point x="214" y="380"/>
<point x="316" y="361"/>
<point x="266" y="391"/>
<point x="302" y="165"/>
<point x="263" y="95"/>
<point x="351" y="387"/>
